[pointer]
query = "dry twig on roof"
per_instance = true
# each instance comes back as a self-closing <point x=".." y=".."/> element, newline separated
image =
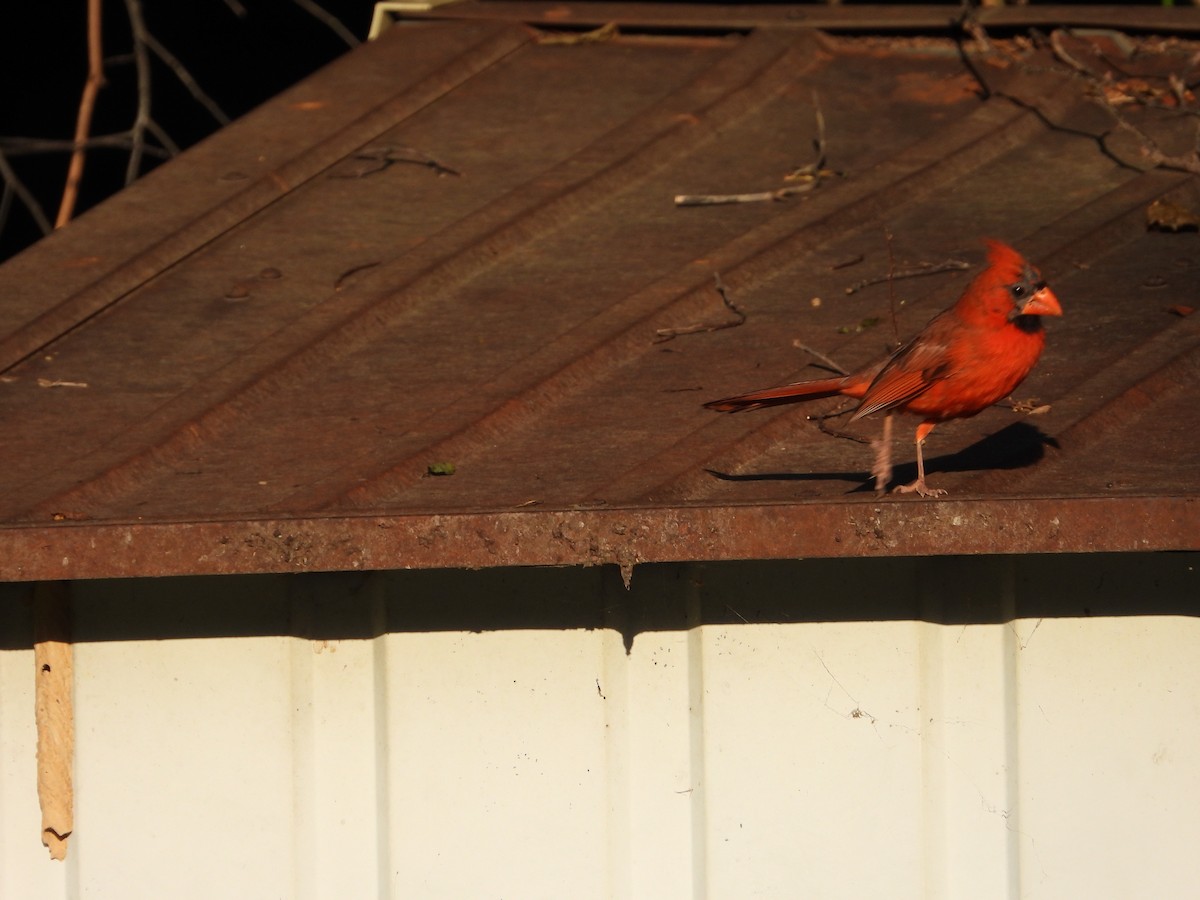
<point x="920" y="269"/>
<point x="667" y="334"/>
<point x="370" y="160"/>
<point x="825" y="360"/>
<point x="802" y="179"/>
<point x="753" y="197"/>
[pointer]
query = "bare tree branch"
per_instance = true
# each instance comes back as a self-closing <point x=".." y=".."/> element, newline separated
<point x="27" y="146"/>
<point x="329" y="20"/>
<point x="13" y="183"/>
<point x="145" y="137"/>
<point x="155" y="129"/>
<point x="141" y="59"/>
<point x="83" y="123"/>
<point x="185" y="78"/>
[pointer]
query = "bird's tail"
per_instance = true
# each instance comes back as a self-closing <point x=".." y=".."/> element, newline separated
<point x="789" y="393"/>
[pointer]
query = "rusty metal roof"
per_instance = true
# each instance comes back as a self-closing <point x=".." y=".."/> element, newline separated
<point x="459" y="246"/>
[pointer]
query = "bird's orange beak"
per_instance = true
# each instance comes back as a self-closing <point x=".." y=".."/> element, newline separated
<point x="1043" y="303"/>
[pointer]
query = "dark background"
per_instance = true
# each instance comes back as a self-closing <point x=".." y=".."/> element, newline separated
<point x="239" y="60"/>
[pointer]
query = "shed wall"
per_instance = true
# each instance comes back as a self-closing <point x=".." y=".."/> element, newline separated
<point x="982" y="727"/>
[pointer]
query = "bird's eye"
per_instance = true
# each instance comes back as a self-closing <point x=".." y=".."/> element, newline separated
<point x="1018" y="291"/>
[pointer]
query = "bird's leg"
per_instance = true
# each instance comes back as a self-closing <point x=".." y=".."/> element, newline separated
<point x="881" y="469"/>
<point x="919" y="485"/>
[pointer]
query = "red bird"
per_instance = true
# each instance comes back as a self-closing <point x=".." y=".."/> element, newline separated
<point x="967" y="358"/>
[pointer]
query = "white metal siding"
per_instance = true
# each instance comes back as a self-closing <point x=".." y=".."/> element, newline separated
<point x="1041" y="757"/>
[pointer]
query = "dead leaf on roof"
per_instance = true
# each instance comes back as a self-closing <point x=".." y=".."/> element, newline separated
<point x="1164" y="215"/>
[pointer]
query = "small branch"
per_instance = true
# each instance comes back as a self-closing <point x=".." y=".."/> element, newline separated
<point x="820" y="142"/>
<point x="726" y="299"/>
<point x="185" y="77"/>
<point x="1155" y="156"/>
<point x="326" y="18"/>
<point x="25" y="146"/>
<point x="172" y="149"/>
<point x="340" y="281"/>
<point x="887" y="237"/>
<point x="83" y="122"/>
<point x="756" y="197"/>
<point x="969" y="24"/>
<point x="17" y="187"/>
<point x="371" y="160"/>
<point x="142" y="61"/>
<point x="814" y="171"/>
<point x="825" y="360"/>
<point x="1150" y="151"/>
<point x="1061" y="54"/>
<point x="804" y="179"/>
<point x="844" y="409"/>
<point x="667" y="334"/>
<point x="950" y="265"/>
<point x="1097" y="139"/>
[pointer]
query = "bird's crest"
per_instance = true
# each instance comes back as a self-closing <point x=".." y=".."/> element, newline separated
<point x="1007" y="262"/>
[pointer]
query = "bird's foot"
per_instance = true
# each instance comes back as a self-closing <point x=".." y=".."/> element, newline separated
<point x="919" y="488"/>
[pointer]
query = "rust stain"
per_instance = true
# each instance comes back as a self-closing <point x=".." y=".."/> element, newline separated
<point x="82" y="262"/>
<point x="599" y="537"/>
<point x="934" y="90"/>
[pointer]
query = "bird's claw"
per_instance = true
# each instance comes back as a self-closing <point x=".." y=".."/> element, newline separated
<point x="919" y="488"/>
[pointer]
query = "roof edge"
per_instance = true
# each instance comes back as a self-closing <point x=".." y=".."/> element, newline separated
<point x="600" y="536"/>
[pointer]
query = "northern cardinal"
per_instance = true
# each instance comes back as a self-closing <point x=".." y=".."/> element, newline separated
<point x="967" y="358"/>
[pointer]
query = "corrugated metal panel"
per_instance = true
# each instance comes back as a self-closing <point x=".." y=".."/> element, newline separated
<point x="458" y="246"/>
<point x="909" y="728"/>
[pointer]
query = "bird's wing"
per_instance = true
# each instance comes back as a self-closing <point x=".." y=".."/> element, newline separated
<point x="913" y="370"/>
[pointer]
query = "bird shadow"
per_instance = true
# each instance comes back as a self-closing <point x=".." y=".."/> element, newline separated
<point x="1014" y="447"/>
